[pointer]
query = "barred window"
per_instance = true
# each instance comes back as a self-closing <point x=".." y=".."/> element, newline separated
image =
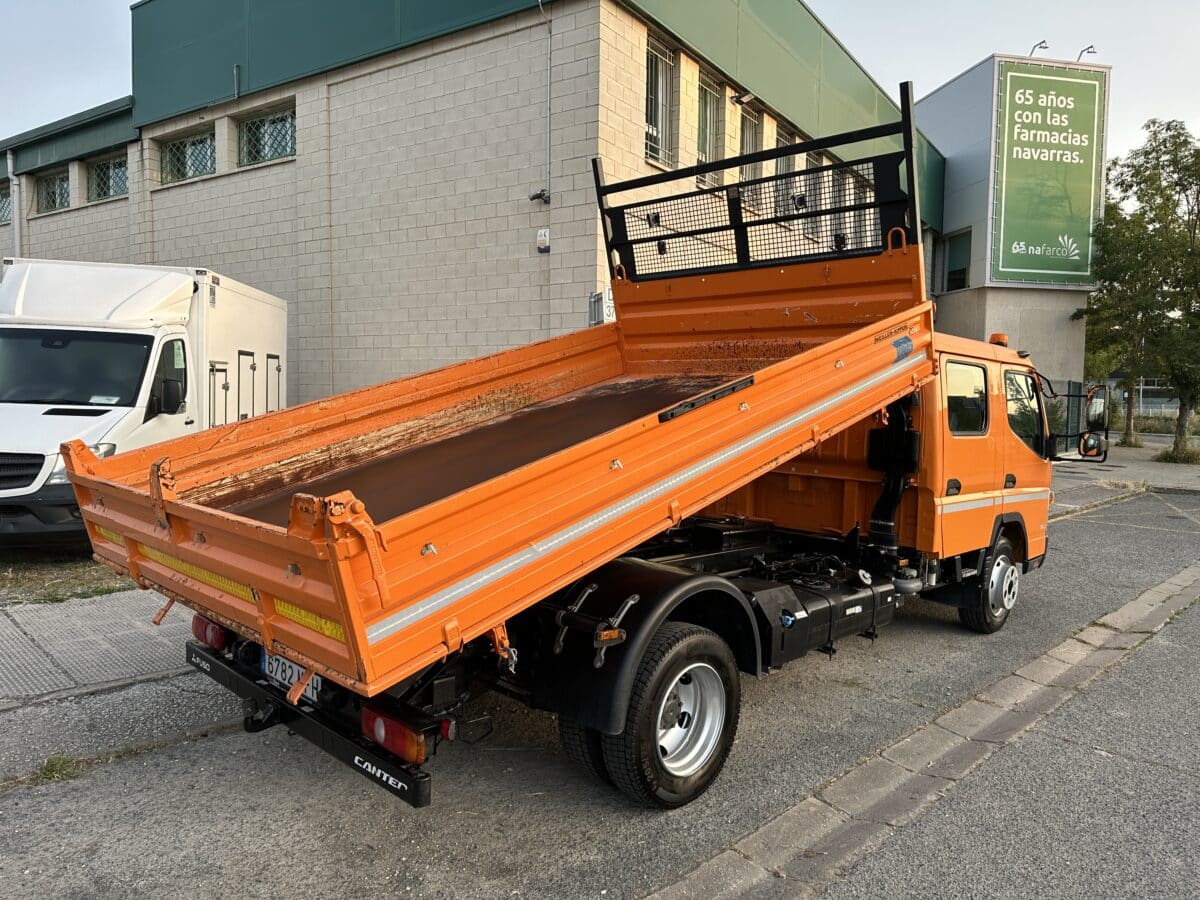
<point x="53" y="191"/>
<point x="188" y="157"/>
<point x="660" y="82"/>
<point x="5" y="203"/>
<point x="268" y="137"/>
<point x="108" y="178"/>
<point x="751" y="142"/>
<point x="708" y="133"/>
<point x="785" y="188"/>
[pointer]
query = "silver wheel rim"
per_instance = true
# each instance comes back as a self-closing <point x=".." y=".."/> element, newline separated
<point x="1003" y="586"/>
<point x="691" y="717"/>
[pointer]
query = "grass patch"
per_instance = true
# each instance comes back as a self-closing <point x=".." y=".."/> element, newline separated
<point x="1187" y="456"/>
<point x="54" y="574"/>
<point x="58" y="767"/>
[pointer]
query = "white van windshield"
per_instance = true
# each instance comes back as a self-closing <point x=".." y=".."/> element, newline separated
<point x="89" y="368"/>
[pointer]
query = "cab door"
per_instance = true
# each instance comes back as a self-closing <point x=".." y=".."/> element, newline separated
<point x="1026" y="469"/>
<point x="969" y="492"/>
<point x="164" y="419"/>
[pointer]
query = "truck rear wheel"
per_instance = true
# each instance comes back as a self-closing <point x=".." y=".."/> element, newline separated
<point x="995" y="592"/>
<point x="683" y="715"/>
<point x="582" y="746"/>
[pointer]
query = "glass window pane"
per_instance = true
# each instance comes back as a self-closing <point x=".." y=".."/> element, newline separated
<point x="1024" y="408"/>
<point x="966" y="398"/>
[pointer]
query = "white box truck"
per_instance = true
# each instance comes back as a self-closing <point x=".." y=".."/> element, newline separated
<point x="120" y="356"/>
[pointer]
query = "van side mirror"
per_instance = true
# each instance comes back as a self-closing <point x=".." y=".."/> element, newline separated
<point x="172" y="396"/>
<point x="1093" y="446"/>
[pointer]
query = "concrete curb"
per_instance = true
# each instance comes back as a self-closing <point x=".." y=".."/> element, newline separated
<point x="806" y="847"/>
<point x="1127" y="491"/>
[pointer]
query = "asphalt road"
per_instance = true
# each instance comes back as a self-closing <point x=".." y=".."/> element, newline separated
<point x="269" y="815"/>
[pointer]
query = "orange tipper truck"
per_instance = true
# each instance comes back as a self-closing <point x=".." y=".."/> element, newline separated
<point x="767" y="452"/>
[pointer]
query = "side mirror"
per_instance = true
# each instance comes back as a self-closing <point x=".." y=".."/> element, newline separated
<point x="172" y="396"/>
<point x="1096" y="411"/>
<point x="1093" y="446"/>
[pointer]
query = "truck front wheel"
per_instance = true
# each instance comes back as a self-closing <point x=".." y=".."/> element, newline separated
<point x="995" y="591"/>
<point x="683" y="715"/>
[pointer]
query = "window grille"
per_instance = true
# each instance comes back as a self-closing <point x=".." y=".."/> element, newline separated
<point x="272" y="136"/>
<point x="108" y="178"/>
<point x="53" y="192"/>
<point x="660" y="81"/>
<point x="188" y="157"/>
<point x="785" y="167"/>
<point x="751" y="142"/>
<point x="5" y="204"/>
<point x="708" y="133"/>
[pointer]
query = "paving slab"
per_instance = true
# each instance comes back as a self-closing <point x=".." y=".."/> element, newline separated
<point x="932" y="750"/>
<point x="88" y="642"/>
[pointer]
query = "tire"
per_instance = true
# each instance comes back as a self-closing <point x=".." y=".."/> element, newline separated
<point x="994" y="591"/>
<point x="582" y="747"/>
<point x="687" y="676"/>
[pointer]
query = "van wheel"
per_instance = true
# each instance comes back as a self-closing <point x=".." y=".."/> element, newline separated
<point x="683" y="715"/>
<point x="582" y="746"/>
<point x="994" y="591"/>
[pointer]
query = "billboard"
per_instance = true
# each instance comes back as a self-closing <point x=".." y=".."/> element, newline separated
<point x="1049" y="171"/>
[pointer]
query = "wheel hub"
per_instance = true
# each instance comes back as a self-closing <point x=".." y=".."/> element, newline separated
<point x="690" y="719"/>
<point x="1004" y="584"/>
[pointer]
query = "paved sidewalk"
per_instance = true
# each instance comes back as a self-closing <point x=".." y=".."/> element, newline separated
<point x="51" y="649"/>
<point x="1105" y="791"/>
<point x="1102" y="798"/>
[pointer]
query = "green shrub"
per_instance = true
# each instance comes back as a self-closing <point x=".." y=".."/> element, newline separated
<point x="1189" y="456"/>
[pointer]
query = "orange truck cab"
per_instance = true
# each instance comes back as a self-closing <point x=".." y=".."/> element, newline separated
<point x="767" y="453"/>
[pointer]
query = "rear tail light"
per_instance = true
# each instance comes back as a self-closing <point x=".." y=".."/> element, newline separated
<point x="209" y="632"/>
<point x="386" y="731"/>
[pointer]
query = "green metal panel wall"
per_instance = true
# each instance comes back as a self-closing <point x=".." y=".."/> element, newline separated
<point x="780" y="51"/>
<point x="67" y="140"/>
<point x="3" y="165"/>
<point x="184" y="52"/>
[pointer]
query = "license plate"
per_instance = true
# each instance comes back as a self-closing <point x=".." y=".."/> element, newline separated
<point x="285" y="673"/>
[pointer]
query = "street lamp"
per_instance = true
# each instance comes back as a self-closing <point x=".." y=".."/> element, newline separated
<point x="1089" y="49"/>
<point x="1040" y="45"/>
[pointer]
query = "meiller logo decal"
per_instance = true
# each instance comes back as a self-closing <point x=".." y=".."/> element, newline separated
<point x="383" y="775"/>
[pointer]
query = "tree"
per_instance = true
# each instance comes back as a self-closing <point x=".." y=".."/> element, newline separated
<point x="1147" y="306"/>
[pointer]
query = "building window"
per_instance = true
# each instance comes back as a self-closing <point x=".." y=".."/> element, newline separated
<point x="272" y="136"/>
<point x="5" y="203"/>
<point x="787" y="187"/>
<point x="751" y="142"/>
<point x="958" y="261"/>
<point x="966" y="398"/>
<point x="53" y="191"/>
<point x="108" y="178"/>
<point x="188" y="157"/>
<point x="708" y="130"/>
<point x="660" y="84"/>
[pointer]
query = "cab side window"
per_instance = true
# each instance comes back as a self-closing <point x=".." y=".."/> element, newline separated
<point x="172" y="364"/>
<point x="966" y="398"/>
<point x="1024" y="408"/>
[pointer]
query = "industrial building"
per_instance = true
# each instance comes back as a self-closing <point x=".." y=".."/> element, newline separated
<point x="415" y="179"/>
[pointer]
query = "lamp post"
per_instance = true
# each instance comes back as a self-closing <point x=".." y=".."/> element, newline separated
<point x="1090" y="50"/>
<point x="1040" y="45"/>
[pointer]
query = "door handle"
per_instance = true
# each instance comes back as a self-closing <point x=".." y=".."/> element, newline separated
<point x="953" y="487"/>
<point x="1010" y="481"/>
<point x="189" y="421"/>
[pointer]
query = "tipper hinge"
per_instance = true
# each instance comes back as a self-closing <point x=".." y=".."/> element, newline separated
<point x="162" y="489"/>
<point x="348" y="514"/>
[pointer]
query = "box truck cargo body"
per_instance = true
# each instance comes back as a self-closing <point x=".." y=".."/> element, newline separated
<point x="121" y="356"/>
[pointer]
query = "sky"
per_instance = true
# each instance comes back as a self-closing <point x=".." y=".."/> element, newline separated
<point x="1152" y="45"/>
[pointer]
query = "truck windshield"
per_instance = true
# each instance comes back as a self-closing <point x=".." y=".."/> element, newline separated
<point x="89" y="368"/>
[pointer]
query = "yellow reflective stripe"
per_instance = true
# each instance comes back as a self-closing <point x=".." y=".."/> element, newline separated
<point x="308" y="619"/>
<point x="110" y="536"/>
<point x="212" y="579"/>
